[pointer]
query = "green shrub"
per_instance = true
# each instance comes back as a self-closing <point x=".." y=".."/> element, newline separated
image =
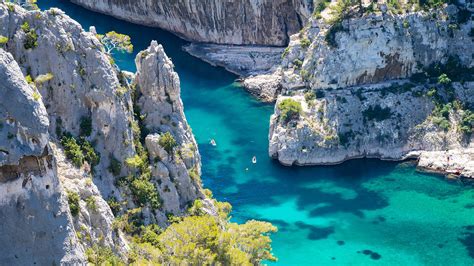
<point x="432" y="92"/>
<point x="3" y="40"/>
<point x="441" y="122"/>
<point x="193" y="173"/>
<point x="89" y="153"/>
<point x="309" y="96"/>
<point x="444" y="79"/>
<point x="290" y="109"/>
<point x="406" y="24"/>
<point x="100" y="255"/>
<point x="136" y="162"/>
<point x="31" y="38"/>
<point x="145" y="192"/>
<point x="377" y="113"/>
<point x="441" y="115"/>
<point x="320" y="8"/>
<point x="79" y="151"/>
<point x="305" y="43"/>
<point x="115" y="166"/>
<point x="11" y="7"/>
<point x="25" y="27"/>
<point x="72" y="150"/>
<point x="91" y="204"/>
<point x="467" y="122"/>
<point x="114" y="205"/>
<point x="168" y="142"/>
<point x="298" y="63"/>
<point x="44" y="78"/>
<point x="73" y="199"/>
<point x="285" y="52"/>
<point x="85" y="126"/>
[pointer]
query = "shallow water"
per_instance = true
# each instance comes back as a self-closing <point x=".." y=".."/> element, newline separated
<point x="363" y="212"/>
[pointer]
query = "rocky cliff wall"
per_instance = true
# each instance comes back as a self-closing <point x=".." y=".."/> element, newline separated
<point x="376" y="47"/>
<point x="36" y="227"/>
<point x="391" y="122"/>
<point x="355" y="96"/>
<point x="61" y="85"/>
<point x="246" y="22"/>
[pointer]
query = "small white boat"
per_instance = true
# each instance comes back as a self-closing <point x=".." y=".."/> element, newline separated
<point x="213" y="142"/>
<point x="254" y="159"/>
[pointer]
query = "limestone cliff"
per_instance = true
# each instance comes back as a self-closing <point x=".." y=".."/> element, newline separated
<point x="246" y="22"/>
<point x="373" y="48"/>
<point x="36" y="227"/>
<point x="392" y="122"/>
<point x="357" y="101"/>
<point x="71" y="126"/>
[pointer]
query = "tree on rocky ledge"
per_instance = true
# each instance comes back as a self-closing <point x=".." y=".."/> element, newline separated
<point x="114" y="41"/>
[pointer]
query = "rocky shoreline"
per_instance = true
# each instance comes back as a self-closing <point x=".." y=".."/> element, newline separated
<point x="240" y="60"/>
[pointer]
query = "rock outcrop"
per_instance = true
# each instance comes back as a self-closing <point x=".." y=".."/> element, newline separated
<point x="357" y="101"/>
<point x="391" y="122"/>
<point x="60" y="92"/>
<point x="241" y="60"/>
<point x="36" y="227"/>
<point x="374" y="48"/>
<point x="246" y="22"/>
<point x="158" y="90"/>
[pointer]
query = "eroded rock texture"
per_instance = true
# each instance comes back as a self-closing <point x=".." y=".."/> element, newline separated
<point x="246" y="22"/>
<point x="375" y="89"/>
<point x="58" y="82"/>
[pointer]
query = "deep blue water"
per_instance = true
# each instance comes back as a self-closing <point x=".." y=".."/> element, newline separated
<point x="363" y="212"/>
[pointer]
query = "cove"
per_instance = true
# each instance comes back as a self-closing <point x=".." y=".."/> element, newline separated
<point x="363" y="212"/>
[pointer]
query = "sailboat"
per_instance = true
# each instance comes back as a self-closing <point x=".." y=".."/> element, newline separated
<point x="213" y="142"/>
<point x="254" y="159"/>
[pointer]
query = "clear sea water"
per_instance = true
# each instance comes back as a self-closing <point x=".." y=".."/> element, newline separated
<point x="363" y="212"/>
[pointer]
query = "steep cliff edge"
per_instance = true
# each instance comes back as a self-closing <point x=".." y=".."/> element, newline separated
<point x="247" y="22"/>
<point x="378" y="85"/>
<point x="32" y="207"/>
<point x="72" y="134"/>
<point x="391" y="122"/>
<point x="376" y="47"/>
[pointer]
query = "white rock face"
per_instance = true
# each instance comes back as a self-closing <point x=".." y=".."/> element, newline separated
<point x="244" y="22"/>
<point x="401" y="125"/>
<point x="81" y="84"/>
<point x="365" y="107"/>
<point x="373" y="49"/>
<point x="160" y="103"/>
<point x="241" y="60"/>
<point x="265" y="87"/>
<point x="23" y="131"/>
<point x="84" y="83"/>
<point x="36" y="225"/>
<point x="458" y="162"/>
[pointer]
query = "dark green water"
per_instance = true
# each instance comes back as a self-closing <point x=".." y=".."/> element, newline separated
<point x="363" y="212"/>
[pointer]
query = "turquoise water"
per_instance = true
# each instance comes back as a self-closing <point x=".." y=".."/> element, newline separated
<point x="363" y="212"/>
